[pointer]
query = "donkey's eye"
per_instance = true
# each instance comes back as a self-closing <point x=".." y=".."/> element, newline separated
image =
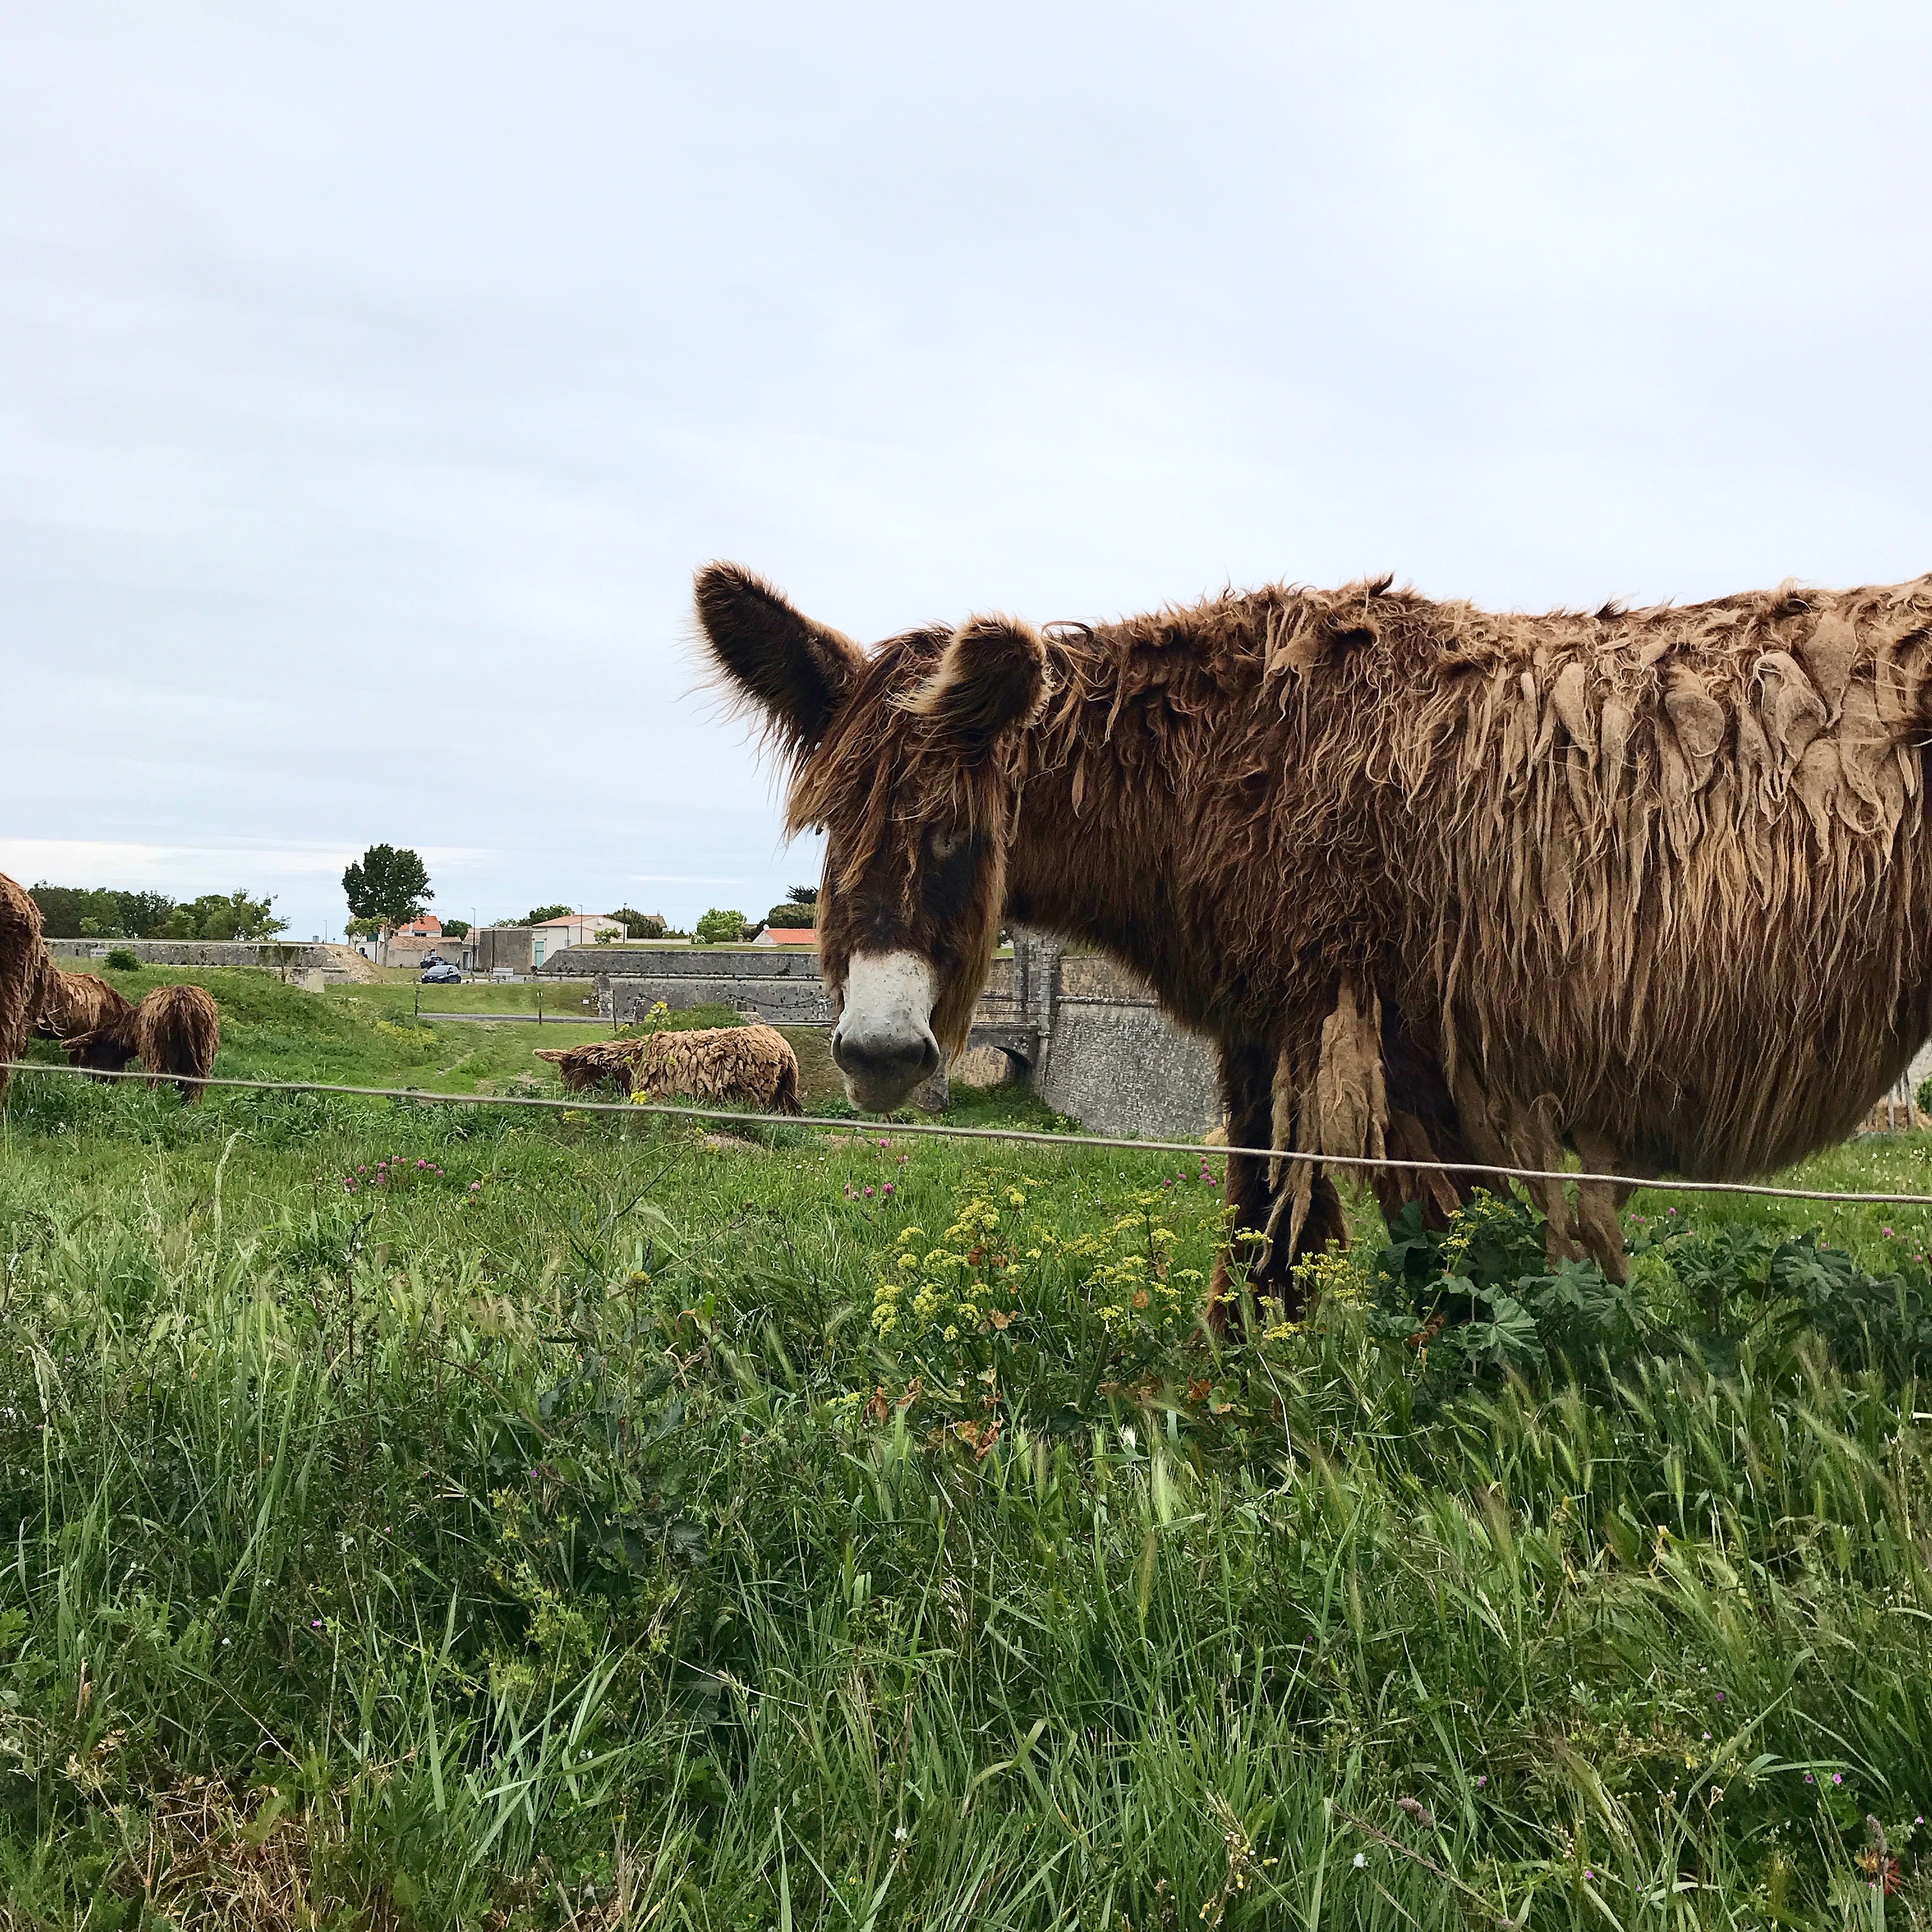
<point x="947" y="844"/>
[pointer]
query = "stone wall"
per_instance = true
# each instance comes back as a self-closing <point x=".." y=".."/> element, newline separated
<point x="782" y="988"/>
<point x="275" y="955"/>
<point x="1115" y="1061"/>
<point x="1089" y="1038"/>
<point x="512" y="947"/>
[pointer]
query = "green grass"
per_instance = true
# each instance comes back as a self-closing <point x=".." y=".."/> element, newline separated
<point x="369" y="1035"/>
<point x="575" y="1532"/>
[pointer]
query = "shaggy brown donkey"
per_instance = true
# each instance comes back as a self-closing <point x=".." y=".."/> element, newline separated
<point x="75" y="1006"/>
<point x="175" y="1033"/>
<point x="1655" y="885"/>
<point x="24" y="966"/>
<point x="754" y="1064"/>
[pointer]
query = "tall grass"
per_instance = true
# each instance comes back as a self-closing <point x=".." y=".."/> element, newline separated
<point x="558" y="1535"/>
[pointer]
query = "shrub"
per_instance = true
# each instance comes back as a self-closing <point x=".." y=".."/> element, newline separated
<point x="1485" y="1297"/>
<point x="792" y="916"/>
<point x="123" y="959"/>
<point x="719" y="926"/>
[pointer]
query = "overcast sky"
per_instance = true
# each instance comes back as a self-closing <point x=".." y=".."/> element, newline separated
<point x="373" y="377"/>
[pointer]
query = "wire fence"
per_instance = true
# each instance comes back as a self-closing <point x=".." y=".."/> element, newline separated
<point x="848" y="1124"/>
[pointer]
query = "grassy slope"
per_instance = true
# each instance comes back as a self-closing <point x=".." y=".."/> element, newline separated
<point x="554" y="1537"/>
<point x="370" y="1035"/>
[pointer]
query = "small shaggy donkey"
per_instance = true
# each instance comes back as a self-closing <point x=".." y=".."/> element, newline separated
<point x="24" y="966"/>
<point x="74" y="1006"/>
<point x="751" y="1063"/>
<point x="174" y="1033"/>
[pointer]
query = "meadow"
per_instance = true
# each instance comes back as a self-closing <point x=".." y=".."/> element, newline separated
<point x="419" y="1516"/>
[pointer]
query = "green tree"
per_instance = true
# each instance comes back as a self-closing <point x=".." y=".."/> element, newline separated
<point x="639" y="925"/>
<point x="143" y="914"/>
<point x="391" y="886"/>
<point x="719" y="926"/>
<point x="225" y="916"/>
<point x="538" y="914"/>
<point x="95" y="912"/>
<point x="792" y="914"/>
<point x="456" y="929"/>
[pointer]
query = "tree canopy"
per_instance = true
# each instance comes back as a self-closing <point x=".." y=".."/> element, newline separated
<point x="719" y="926"/>
<point x="639" y="925"/>
<point x="390" y="886"/>
<point x="233" y="915"/>
<point x="100" y="912"/>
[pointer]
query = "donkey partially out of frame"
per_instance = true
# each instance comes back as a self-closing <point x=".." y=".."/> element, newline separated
<point x="1076" y="782"/>
<point x="1653" y="887"/>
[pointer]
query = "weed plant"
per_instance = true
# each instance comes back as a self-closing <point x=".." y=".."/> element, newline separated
<point x="416" y="1517"/>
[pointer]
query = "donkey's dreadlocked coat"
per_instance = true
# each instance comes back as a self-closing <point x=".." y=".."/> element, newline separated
<point x="752" y="1064"/>
<point x="1654" y="884"/>
<point x="76" y="1004"/>
<point x="24" y="966"/>
<point x="175" y="1033"/>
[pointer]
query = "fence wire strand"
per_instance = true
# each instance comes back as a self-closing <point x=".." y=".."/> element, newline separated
<point x="862" y="1130"/>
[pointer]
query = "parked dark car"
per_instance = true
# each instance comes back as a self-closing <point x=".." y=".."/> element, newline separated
<point x="441" y="975"/>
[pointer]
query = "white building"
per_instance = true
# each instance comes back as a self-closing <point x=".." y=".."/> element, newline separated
<point x="576" y="929"/>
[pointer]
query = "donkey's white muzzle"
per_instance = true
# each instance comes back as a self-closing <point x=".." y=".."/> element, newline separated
<point x="883" y="1043"/>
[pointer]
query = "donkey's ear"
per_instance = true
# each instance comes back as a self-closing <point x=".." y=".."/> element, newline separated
<point x="991" y="676"/>
<point x="797" y="672"/>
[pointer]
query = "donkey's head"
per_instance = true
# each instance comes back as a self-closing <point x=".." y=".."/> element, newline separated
<point x="906" y="756"/>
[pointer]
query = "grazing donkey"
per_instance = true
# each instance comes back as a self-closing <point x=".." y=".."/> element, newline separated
<point x="753" y="1064"/>
<point x="77" y="1007"/>
<point x="175" y="1033"/>
<point x="1653" y="887"/>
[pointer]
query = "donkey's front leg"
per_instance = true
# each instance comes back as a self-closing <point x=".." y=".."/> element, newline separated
<point x="1247" y="1090"/>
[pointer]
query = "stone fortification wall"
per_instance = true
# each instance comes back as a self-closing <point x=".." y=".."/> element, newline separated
<point x="782" y="988"/>
<point x="1089" y="1038"/>
<point x="272" y="953"/>
<point x="1115" y="1061"/>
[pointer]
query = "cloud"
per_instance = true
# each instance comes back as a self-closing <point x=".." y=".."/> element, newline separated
<point x="376" y="378"/>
